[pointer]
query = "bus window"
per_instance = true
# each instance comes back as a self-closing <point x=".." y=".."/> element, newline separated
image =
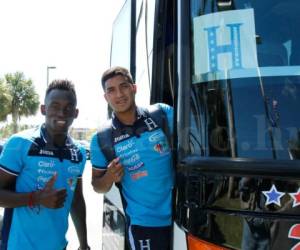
<point x="244" y="104"/>
<point x="239" y="100"/>
<point x="142" y="73"/>
<point x="120" y="51"/>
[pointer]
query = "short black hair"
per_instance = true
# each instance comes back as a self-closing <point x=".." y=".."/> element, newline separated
<point x="62" y="85"/>
<point x="115" y="71"/>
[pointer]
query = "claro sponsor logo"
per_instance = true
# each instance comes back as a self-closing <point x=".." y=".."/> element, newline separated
<point x="125" y="147"/>
<point x="46" y="164"/>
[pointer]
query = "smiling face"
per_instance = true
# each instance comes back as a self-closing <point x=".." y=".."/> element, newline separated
<point x="120" y="94"/>
<point x="60" y="111"/>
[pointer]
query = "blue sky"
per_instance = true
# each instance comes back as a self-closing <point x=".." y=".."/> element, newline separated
<point x="72" y="35"/>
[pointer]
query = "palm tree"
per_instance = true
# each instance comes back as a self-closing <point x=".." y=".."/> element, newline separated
<point x="24" y="99"/>
<point x="5" y="100"/>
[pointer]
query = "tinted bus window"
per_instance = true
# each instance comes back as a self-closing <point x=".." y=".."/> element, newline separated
<point x="121" y="38"/>
<point x="246" y="79"/>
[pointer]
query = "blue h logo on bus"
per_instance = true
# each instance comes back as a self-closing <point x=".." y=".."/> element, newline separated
<point x="234" y="47"/>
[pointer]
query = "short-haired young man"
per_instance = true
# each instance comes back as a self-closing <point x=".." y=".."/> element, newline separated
<point x="43" y="167"/>
<point x="142" y="163"/>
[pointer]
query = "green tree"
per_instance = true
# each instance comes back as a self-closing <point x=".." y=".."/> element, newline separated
<point x="5" y="100"/>
<point x="24" y="98"/>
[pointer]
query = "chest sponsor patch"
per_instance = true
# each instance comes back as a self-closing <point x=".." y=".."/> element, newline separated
<point x="74" y="170"/>
<point x="156" y="137"/>
<point x="139" y="175"/>
<point x="46" y="164"/>
<point x="124" y="147"/>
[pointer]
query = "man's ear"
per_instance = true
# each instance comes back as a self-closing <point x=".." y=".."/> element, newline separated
<point x="76" y="113"/>
<point x="105" y="97"/>
<point x="43" y="109"/>
<point x="134" y="88"/>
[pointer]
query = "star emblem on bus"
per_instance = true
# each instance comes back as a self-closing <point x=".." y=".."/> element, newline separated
<point x="296" y="198"/>
<point x="273" y="196"/>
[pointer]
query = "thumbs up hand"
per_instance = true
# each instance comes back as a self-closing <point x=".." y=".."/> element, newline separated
<point x="50" y="184"/>
<point x="50" y="197"/>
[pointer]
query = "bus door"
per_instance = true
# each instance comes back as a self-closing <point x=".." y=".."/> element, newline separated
<point x="142" y="41"/>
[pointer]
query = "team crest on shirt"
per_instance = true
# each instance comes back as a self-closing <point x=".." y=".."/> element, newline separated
<point x="72" y="183"/>
<point x="161" y="147"/>
<point x="74" y="171"/>
<point x="159" y="141"/>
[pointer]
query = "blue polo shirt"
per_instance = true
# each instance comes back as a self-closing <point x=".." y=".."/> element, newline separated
<point x="145" y="154"/>
<point x="29" y="157"/>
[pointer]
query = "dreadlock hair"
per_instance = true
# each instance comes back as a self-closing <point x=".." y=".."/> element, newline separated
<point x="115" y="71"/>
<point x="62" y="85"/>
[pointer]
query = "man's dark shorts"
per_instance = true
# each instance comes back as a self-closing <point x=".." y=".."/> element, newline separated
<point x="149" y="238"/>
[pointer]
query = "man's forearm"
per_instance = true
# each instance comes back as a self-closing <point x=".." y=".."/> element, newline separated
<point x="102" y="184"/>
<point x="10" y="199"/>
<point x="78" y="214"/>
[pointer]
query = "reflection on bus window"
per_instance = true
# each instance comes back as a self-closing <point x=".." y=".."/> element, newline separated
<point x="246" y="112"/>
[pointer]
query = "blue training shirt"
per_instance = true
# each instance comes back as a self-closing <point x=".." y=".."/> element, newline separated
<point x="145" y="154"/>
<point x="28" y="156"/>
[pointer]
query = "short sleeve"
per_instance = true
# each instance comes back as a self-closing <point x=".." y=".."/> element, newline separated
<point x="83" y="162"/>
<point x="11" y="156"/>
<point x="169" y="111"/>
<point x="98" y="159"/>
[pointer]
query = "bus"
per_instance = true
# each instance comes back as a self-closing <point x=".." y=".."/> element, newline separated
<point x="231" y="70"/>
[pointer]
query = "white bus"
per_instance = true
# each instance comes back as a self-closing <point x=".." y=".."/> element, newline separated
<point x="231" y="69"/>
